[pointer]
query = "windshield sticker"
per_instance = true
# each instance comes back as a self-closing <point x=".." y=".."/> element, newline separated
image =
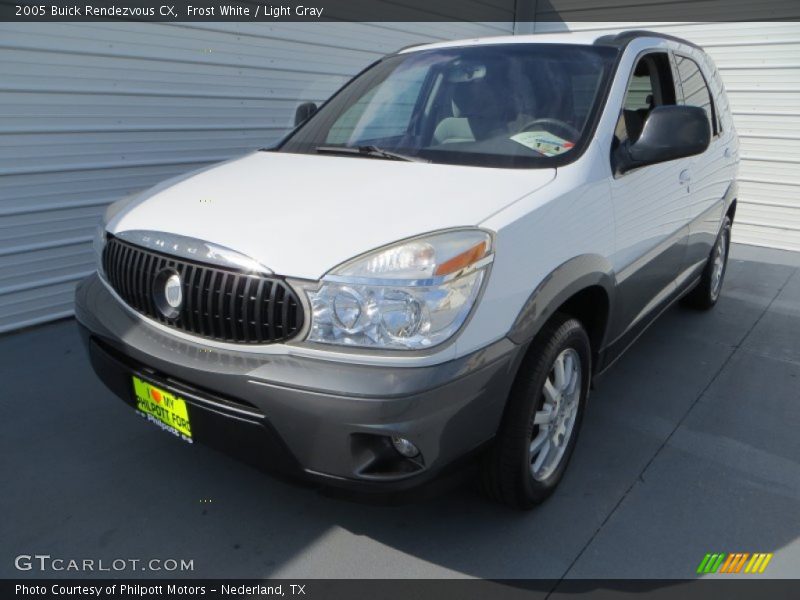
<point x="543" y="141"/>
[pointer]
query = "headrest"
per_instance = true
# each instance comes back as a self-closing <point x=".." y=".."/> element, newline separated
<point x="474" y="98"/>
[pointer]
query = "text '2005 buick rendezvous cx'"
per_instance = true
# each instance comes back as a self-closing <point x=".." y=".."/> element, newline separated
<point x="430" y="268"/>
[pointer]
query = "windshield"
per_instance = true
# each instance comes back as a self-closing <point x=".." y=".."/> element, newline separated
<point x="509" y="105"/>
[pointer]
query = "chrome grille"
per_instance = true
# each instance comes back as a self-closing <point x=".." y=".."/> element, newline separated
<point x="219" y="304"/>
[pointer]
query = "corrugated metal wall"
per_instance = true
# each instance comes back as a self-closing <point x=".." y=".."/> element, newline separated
<point x="92" y="112"/>
<point x="760" y="65"/>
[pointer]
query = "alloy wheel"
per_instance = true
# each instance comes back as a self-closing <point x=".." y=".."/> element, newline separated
<point x="720" y="257"/>
<point x="555" y="422"/>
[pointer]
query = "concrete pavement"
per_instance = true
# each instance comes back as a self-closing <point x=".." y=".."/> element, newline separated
<point x="690" y="445"/>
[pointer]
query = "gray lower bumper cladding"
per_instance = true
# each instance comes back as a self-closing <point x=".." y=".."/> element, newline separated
<point x="320" y="420"/>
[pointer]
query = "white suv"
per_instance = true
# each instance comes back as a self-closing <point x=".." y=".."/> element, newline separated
<point x="430" y="267"/>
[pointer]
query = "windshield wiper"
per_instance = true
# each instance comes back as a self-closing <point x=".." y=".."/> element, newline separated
<point x="369" y="151"/>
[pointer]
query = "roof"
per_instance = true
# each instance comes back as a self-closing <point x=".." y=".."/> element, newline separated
<point x="587" y="38"/>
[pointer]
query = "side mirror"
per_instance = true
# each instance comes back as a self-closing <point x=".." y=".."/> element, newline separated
<point x="669" y="132"/>
<point x="303" y="112"/>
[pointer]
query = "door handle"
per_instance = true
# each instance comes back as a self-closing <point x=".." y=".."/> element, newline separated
<point x="684" y="177"/>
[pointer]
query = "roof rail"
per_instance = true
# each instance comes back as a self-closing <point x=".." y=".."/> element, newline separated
<point x="404" y="48"/>
<point x="623" y="38"/>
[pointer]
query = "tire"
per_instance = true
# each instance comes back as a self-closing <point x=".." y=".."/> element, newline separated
<point x="706" y="293"/>
<point x="510" y="473"/>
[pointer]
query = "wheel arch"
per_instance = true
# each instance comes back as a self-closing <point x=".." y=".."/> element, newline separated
<point x="731" y="195"/>
<point x="582" y="287"/>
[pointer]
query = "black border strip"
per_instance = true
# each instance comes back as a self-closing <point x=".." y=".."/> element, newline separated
<point x="499" y="11"/>
<point x="734" y="587"/>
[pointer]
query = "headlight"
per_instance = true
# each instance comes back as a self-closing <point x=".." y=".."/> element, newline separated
<point x="410" y="295"/>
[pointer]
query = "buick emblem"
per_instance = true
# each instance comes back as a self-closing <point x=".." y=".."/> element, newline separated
<point x="172" y="291"/>
<point x="168" y="293"/>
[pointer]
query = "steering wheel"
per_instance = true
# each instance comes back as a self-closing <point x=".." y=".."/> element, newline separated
<point x="567" y="131"/>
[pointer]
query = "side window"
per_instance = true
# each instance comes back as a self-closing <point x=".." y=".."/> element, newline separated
<point x="650" y="85"/>
<point x="640" y="92"/>
<point x="695" y="89"/>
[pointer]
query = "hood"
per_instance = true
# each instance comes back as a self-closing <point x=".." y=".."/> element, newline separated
<point x="301" y="215"/>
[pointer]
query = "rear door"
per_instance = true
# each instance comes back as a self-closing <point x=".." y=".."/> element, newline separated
<point x="651" y="204"/>
<point x="711" y="172"/>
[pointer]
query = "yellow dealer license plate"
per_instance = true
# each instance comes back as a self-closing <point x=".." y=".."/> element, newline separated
<point x="162" y="408"/>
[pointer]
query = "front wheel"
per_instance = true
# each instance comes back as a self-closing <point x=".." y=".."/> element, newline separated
<point x="706" y="293"/>
<point x="543" y="416"/>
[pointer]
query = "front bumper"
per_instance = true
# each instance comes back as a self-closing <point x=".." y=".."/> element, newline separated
<point x="322" y="420"/>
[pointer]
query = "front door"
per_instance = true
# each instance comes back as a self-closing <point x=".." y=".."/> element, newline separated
<point x="651" y="207"/>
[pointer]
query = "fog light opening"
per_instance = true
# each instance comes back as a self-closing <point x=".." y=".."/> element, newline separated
<point x="404" y="447"/>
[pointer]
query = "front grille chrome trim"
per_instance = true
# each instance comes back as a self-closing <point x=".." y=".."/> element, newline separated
<point x="192" y="249"/>
<point x="221" y="304"/>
